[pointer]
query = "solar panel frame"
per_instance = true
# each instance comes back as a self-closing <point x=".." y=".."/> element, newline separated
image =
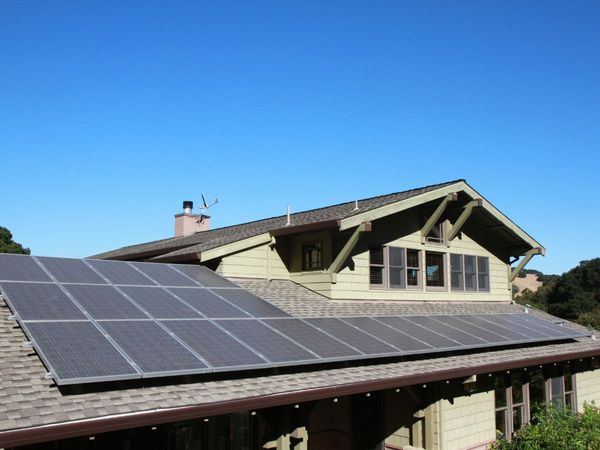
<point x="448" y="331"/>
<point x="208" y="304"/>
<point x="203" y="276"/>
<point x="193" y="333"/>
<point x="510" y="334"/>
<point x="426" y="335"/>
<point x="52" y="358"/>
<point x="361" y="341"/>
<point x="104" y="302"/>
<point x="119" y="273"/>
<point x="250" y="303"/>
<point x="157" y="343"/>
<point x="164" y="275"/>
<point x="52" y="303"/>
<point x="260" y="337"/>
<point x="389" y="335"/>
<point x="21" y="268"/>
<point x="537" y="323"/>
<point x="466" y="326"/>
<point x="302" y="333"/>
<point x="69" y="270"/>
<point x="159" y="303"/>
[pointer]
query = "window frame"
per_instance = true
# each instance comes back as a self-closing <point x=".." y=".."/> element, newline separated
<point x="444" y="275"/>
<point x="404" y="267"/>
<point x="305" y="246"/>
<point x="475" y="275"/>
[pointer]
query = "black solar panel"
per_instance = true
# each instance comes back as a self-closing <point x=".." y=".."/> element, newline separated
<point x="265" y="341"/>
<point x="67" y="270"/>
<point x="353" y="336"/>
<point x="467" y="327"/>
<point x="212" y="324"/>
<point x="252" y="304"/>
<point x="76" y="352"/>
<point x="20" y="268"/>
<point x="39" y="301"/>
<point x="207" y="303"/>
<point x="164" y="275"/>
<point x="104" y="302"/>
<point x="152" y="349"/>
<point x="215" y="346"/>
<point x="308" y="336"/>
<point x="204" y="276"/>
<point x="401" y="341"/>
<point x="451" y="333"/>
<point x="159" y="303"/>
<point x="120" y="272"/>
<point x="423" y="334"/>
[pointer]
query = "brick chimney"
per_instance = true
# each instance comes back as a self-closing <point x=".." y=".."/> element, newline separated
<point x="187" y="223"/>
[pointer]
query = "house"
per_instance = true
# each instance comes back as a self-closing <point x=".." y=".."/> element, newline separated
<point x="428" y="263"/>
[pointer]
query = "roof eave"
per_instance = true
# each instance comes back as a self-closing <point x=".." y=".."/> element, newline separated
<point x="87" y="427"/>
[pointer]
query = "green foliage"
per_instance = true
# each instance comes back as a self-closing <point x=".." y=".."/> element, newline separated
<point x="577" y="291"/>
<point x="7" y="245"/>
<point x="554" y="428"/>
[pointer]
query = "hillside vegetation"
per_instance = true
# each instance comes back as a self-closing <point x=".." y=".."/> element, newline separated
<point x="574" y="295"/>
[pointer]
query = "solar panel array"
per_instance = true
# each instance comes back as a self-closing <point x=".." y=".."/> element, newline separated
<point x="96" y="320"/>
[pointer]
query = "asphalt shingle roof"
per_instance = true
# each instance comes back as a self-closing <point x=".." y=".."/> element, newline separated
<point x="27" y="399"/>
<point x="206" y="240"/>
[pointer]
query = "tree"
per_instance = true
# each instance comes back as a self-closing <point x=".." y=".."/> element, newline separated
<point x="554" y="428"/>
<point x="7" y="245"/>
<point x="577" y="291"/>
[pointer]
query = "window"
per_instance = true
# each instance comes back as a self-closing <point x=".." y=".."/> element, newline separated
<point x="562" y="392"/>
<point x="394" y="267"/>
<point x="434" y="269"/>
<point x="312" y="256"/>
<point x="437" y="235"/>
<point x="469" y="273"/>
<point x="376" y="266"/>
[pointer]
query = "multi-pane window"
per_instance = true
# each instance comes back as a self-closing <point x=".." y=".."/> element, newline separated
<point x="469" y="273"/>
<point x="394" y="267"/>
<point x="516" y="398"/>
<point x="437" y="234"/>
<point x="312" y="256"/>
<point x="434" y="269"/>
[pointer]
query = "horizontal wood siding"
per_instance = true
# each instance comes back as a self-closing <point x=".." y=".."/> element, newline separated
<point x="257" y="262"/>
<point x="354" y="282"/>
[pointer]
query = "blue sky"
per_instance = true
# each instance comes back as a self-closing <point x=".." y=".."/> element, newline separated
<point x="111" y="114"/>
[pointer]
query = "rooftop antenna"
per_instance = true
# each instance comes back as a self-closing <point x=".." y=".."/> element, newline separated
<point x="205" y="207"/>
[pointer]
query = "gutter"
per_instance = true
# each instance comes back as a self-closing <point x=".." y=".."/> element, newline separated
<point x="90" y="427"/>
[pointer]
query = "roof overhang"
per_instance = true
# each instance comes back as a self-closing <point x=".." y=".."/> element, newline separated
<point x="90" y="427"/>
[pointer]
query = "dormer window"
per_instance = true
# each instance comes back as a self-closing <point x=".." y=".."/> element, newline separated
<point x="312" y="256"/>
<point x="437" y="235"/>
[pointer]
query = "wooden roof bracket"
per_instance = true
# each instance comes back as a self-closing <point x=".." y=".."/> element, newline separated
<point x="435" y="217"/>
<point x="527" y="257"/>
<point x="467" y="210"/>
<point x="337" y="263"/>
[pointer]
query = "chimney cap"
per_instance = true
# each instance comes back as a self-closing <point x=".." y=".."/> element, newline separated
<point x="188" y="204"/>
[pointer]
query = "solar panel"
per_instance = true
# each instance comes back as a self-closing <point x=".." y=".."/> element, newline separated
<point x="488" y="324"/>
<point x="265" y="341"/>
<point x="196" y="321"/>
<point x="204" y="276"/>
<point x="447" y="331"/>
<point x="39" y="301"/>
<point x="467" y="327"/>
<point x="308" y="336"/>
<point x="152" y="349"/>
<point x="423" y="334"/>
<point x="208" y="303"/>
<point x="216" y="346"/>
<point x="120" y="272"/>
<point x="77" y="352"/>
<point x="104" y="302"/>
<point x="250" y="303"/>
<point x="401" y="341"/>
<point x="20" y="268"/>
<point x="353" y="336"/>
<point x="67" y="270"/>
<point x="164" y="275"/>
<point x="159" y="303"/>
